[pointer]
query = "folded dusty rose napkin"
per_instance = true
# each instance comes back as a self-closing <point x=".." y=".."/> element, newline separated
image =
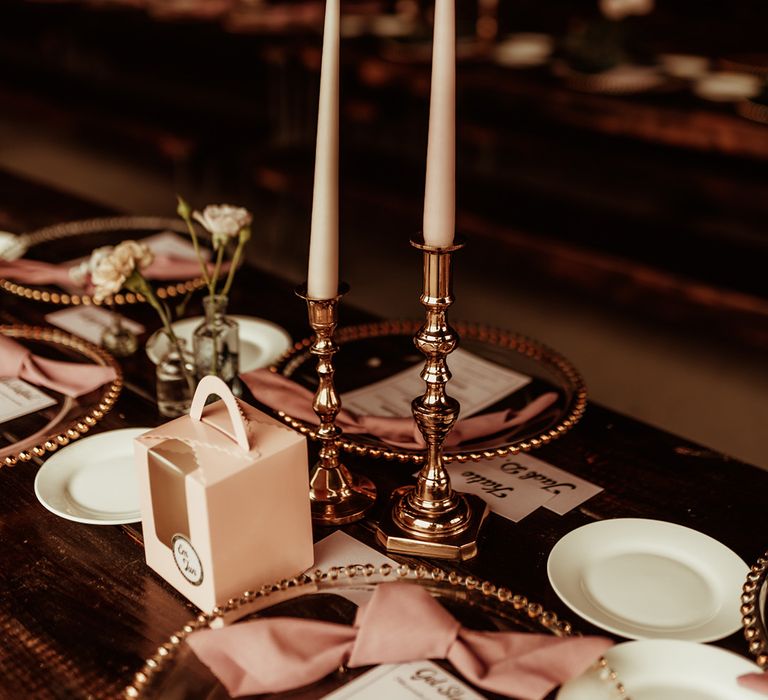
<point x="163" y="267"/>
<point x="755" y="681"/>
<point x="70" y="378"/>
<point x="279" y="392"/>
<point x="401" y="623"/>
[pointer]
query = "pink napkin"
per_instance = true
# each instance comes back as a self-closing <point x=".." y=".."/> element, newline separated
<point x="401" y="623"/>
<point x="755" y="681"/>
<point x="70" y="378"/>
<point x="163" y="267"/>
<point x="279" y="392"/>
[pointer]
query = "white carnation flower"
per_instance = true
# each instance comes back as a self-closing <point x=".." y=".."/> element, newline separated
<point x="114" y="267"/>
<point x="223" y="222"/>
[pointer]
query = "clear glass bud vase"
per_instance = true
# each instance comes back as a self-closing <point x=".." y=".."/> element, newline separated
<point x="216" y="343"/>
<point x="118" y="339"/>
<point x="175" y="379"/>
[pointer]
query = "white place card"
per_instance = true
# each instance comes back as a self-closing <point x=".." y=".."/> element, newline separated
<point x="339" y="549"/>
<point x="88" y="322"/>
<point x="507" y="496"/>
<point x="477" y="383"/>
<point x="567" y="490"/>
<point x="515" y="486"/>
<point x="417" y="680"/>
<point x="18" y="398"/>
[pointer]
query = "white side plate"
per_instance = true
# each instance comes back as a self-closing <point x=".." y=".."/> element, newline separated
<point x="93" y="480"/>
<point x="649" y="579"/>
<point x="665" y="669"/>
<point x="261" y="341"/>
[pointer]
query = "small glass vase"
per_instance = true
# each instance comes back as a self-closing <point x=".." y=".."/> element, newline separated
<point x="116" y="338"/>
<point x="175" y="380"/>
<point x="216" y="343"/>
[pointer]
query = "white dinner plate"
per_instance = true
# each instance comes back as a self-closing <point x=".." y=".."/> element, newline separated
<point x="261" y="341"/>
<point x="649" y="579"/>
<point x="666" y="669"/>
<point x="728" y="86"/>
<point x="93" y="480"/>
<point x="524" y="50"/>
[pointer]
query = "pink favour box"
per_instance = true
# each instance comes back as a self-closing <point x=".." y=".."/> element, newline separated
<point x="224" y="499"/>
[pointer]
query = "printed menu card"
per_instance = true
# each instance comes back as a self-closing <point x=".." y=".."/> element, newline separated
<point x="477" y="383"/>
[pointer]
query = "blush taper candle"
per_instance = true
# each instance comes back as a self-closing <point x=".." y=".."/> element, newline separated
<point x="323" y="273"/>
<point x="440" y="190"/>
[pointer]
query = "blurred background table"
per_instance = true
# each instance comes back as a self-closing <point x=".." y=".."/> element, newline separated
<point x="627" y="226"/>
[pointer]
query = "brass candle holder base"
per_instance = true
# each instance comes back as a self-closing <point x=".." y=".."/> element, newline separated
<point x="431" y="519"/>
<point x="449" y="534"/>
<point x="336" y="495"/>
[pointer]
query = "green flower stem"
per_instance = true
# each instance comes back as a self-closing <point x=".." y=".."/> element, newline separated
<point x="233" y="267"/>
<point x="138" y="283"/>
<point x="216" y="270"/>
<point x="198" y="252"/>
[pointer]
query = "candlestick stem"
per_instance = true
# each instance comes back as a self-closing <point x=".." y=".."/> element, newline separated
<point x="430" y="518"/>
<point x="337" y="496"/>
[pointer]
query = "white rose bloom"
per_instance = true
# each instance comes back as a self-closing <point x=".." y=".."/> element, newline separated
<point x="115" y="267"/>
<point x="619" y="9"/>
<point x="223" y="222"/>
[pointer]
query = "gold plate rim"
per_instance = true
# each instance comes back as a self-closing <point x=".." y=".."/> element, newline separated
<point x="516" y="342"/>
<point x="99" y="225"/>
<point x="752" y="620"/>
<point x="350" y="574"/>
<point x="81" y="424"/>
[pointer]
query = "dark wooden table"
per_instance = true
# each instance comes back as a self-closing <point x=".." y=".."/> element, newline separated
<point x="80" y="611"/>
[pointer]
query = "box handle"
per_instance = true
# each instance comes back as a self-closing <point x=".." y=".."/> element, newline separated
<point x="212" y="385"/>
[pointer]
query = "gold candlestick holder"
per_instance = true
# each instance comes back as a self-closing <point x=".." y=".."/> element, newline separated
<point x="337" y="496"/>
<point x="431" y="519"/>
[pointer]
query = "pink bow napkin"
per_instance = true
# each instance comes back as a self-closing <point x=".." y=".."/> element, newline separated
<point x="70" y="378"/>
<point x="401" y="623"/>
<point x="163" y="267"/>
<point x="755" y="681"/>
<point x="279" y="392"/>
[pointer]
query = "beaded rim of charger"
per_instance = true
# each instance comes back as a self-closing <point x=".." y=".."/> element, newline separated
<point x="93" y="226"/>
<point x="353" y="574"/>
<point x="515" y="342"/>
<point x="81" y="424"/>
<point x="752" y="618"/>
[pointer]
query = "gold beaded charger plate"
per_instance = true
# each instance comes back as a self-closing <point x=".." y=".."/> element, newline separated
<point x="667" y="669"/>
<point x="753" y="613"/>
<point x="174" y="671"/>
<point x="43" y="432"/>
<point x="372" y="352"/>
<point x="77" y="239"/>
<point x="649" y="579"/>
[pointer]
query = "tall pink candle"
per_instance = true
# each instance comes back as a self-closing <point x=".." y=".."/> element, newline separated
<point x="440" y="191"/>
<point x="323" y="273"/>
